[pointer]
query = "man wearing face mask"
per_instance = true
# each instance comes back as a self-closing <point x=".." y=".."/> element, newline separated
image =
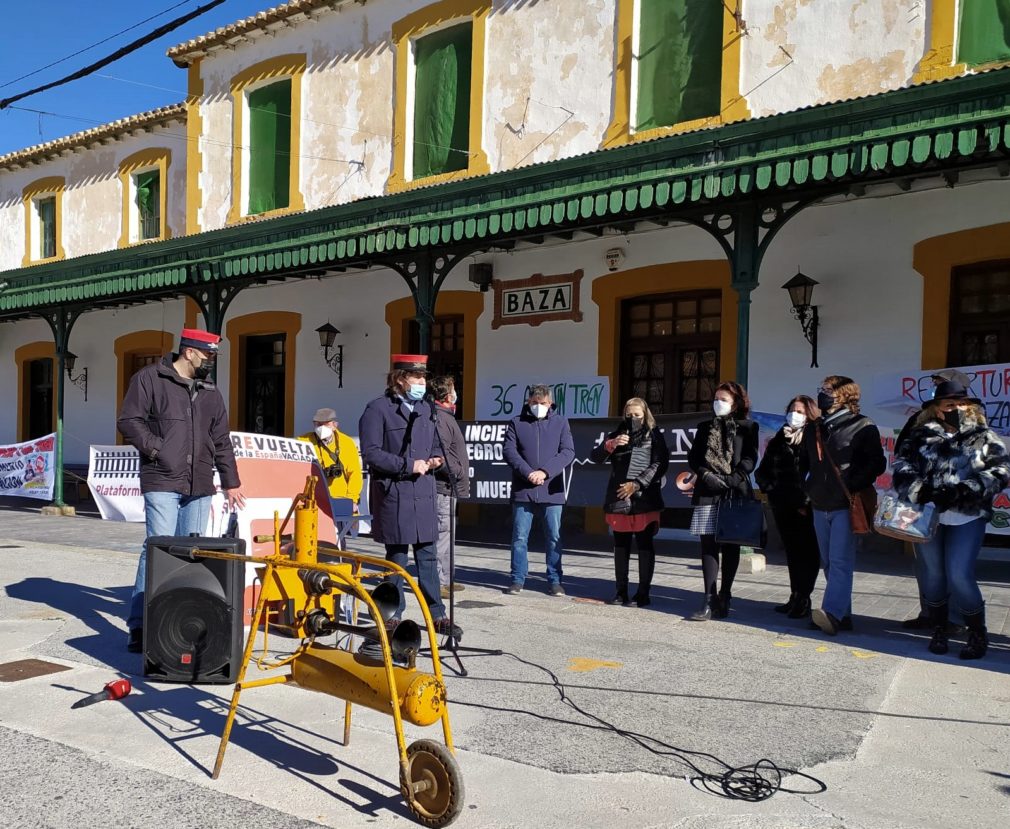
<point x="337" y="456"/>
<point x="401" y="449"/>
<point x="175" y="417"/>
<point x="539" y="448"/>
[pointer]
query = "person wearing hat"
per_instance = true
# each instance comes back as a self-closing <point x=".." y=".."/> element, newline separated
<point x="922" y="620"/>
<point x="175" y="417"/>
<point x="400" y="446"/>
<point x="952" y="459"/>
<point x="337" y="455"/>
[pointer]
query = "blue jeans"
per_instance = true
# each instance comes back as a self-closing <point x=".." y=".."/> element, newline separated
<point x="427" y="576"/>
<point x="948" y="566"/>
<point x="171" y="514"/>
<point x="838" y="559"/>
<point x="522" y="519"/>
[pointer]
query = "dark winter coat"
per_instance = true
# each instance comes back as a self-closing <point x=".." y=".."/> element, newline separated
<point x="403" y="506"/>
<point x="544" y="444"/>
<point x="742" y="463"/>
<point x="853" y="443"/>
<point x="973" y="463"/>
<point x="180" y="428"/>
<point x="456" y="469"/>
<point x="778" y="474"/>
<point x="649" y="497"/>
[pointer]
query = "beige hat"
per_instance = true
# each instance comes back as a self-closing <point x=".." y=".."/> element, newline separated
<point x="324" y="416"/>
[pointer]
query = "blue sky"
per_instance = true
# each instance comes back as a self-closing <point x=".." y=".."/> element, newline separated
<point x="35" y="34"/>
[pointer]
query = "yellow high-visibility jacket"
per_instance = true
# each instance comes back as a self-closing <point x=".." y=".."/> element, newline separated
<point x="347" y="485"/>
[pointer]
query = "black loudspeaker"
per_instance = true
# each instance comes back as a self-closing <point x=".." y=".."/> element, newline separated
<point x="193" y="610"/>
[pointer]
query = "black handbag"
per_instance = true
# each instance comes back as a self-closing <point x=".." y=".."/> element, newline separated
<point x="741" y="521"/>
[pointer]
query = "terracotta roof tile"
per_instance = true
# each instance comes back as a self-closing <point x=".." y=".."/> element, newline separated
<point x="115" y="129"/>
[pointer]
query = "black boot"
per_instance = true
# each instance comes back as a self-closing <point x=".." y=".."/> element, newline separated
<point x="646" y="568"/>
<point x="978" y="636"/>
<point x="706" y="611"/>
<point x="938" y="619"/>
<point x="621" y="557"/>
<point x="801" y="607"/>
<point x="720" y="610"/>
<point x="789" y="605"/>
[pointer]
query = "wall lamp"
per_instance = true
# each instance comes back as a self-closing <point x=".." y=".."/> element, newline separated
<point x="481" y="274"/>
<point x="81" y="380"/>
<point x="327" y="334"/>
<point x="801" y="290"/>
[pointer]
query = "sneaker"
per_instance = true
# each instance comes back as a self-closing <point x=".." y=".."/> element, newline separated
<point x="135" y="642"/>
<point x="443" y="591"/>
<point x="825" y="621"/>
<point x="444" y="627"/>
<point x="555" y="590"/>
<point x="515" y="588"/>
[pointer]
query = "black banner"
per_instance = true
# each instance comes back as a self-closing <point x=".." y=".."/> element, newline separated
<point x="585" y="481"/>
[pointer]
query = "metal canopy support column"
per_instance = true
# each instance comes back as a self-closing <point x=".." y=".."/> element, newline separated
<point x="745" y="235"/>
<point x="212" y="297"/>
<point x="424" y="274"/>
<point x="61" y="322"/>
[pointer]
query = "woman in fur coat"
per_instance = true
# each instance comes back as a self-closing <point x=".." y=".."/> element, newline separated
<point x="638" y="461"/>
<point x="722" y="456"/>
<point x="952" y="459"/>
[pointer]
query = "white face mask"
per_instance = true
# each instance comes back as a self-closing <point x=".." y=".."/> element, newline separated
<point x="539" y="410"/>
<point x="721" y="407"/>
<point x="796" y="420"/>
<point x="324" y="433"/>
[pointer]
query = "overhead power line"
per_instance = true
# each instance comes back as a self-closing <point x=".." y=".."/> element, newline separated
<point x="130" y="47"/>
<point x="93" y="45"/>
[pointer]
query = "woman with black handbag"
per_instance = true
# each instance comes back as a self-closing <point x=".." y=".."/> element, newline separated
<point x="722" y="457"/>
<point x="842" y="458"/>
<point x="778" y="477"/>
<point x="638" y="461"/>
<point x="952" y="459"/>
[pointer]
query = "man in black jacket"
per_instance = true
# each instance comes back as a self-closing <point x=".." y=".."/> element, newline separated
<point x="175" y="417"/>
<point x="453" y="477"/>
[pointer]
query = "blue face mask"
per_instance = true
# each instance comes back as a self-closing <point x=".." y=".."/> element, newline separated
<point x="416" y="391"/>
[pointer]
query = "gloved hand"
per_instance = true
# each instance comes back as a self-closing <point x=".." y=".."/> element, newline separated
<point x="713" y="481"/>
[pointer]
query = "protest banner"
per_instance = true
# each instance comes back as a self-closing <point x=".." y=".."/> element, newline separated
<point x="578" y="397"/>
<point x="114" y="481"/>
<point x="28" y="470"/>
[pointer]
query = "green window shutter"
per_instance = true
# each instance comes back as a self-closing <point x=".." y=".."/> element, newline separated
<point x="148" y="186"/>
<point x="47" y="226"/>
<point x="269" y="147"/>
<point x="442" y="101"/>
<point x="679" y="62"/>
<point x="984" y="31"/>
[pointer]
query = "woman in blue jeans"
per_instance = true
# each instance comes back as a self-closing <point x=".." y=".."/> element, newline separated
<point x="842" y="447"/>
<point x="952" y="459"/>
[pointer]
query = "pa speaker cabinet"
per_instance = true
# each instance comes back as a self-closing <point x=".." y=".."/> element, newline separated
<point x="193" y="610"/>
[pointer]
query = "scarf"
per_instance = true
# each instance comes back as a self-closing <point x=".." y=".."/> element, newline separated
<point x="719" y="449"/>
<point x="793" y="436"/>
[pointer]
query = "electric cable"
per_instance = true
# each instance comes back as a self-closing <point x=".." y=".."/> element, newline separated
<point x="752" y="782"/>
<point x="93" y="45"/>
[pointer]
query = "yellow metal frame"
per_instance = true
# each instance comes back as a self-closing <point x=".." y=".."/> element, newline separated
<point x="281" y="580"/>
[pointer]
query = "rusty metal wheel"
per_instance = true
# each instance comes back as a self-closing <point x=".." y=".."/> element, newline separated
<point x="434" y="785"/>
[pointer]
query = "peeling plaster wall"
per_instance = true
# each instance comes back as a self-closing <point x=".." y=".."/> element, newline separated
<point x="799" y="53"/>
<point x="92" y="198"/>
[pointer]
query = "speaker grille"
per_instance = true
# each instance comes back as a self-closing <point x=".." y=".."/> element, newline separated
<point x="191" y="637"/>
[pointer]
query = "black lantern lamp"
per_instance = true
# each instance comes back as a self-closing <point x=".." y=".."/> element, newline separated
<point x="327" y="335"/>
<point x="81" y="380"/>
<point x="481" y="274"/>
<point x="801" y="290"/>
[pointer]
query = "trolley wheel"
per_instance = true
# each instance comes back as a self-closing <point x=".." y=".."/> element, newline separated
<point x="433" y="789"/>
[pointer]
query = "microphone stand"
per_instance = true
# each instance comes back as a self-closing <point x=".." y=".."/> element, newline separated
<point x="451" y="644"/>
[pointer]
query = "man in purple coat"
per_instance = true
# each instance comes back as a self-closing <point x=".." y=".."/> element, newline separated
<point x="539" y="448"/>
<point x="400" y="447"/>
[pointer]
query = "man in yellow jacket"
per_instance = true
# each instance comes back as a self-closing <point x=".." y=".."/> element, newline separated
<point x="337" y="454"/>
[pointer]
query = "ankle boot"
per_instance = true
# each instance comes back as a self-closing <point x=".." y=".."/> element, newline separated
<point x="620" y="598"/>
<point x="720" y="609"/>
<point x="801" y="607"/>
<point x="978" y="636"/>
<point x="705" y="612"/>
<point x="938" y="619"/>
<point x="789" y="605"/>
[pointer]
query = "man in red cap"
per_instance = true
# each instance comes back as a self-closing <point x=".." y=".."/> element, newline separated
<point x="400" y="446"/>
<point x="175" y="416"/>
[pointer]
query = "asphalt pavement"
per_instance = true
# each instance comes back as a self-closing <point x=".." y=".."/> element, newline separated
<point x="593" y="716"/>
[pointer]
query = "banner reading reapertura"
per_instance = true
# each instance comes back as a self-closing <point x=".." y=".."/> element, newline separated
<point x="28" y="470"/>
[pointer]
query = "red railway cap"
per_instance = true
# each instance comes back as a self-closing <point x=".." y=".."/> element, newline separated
<point x="410" y="362"/>
<point x="202" y="340"/>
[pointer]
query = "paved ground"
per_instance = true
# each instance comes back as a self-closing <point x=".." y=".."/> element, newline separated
<point x="900" y="738"/>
